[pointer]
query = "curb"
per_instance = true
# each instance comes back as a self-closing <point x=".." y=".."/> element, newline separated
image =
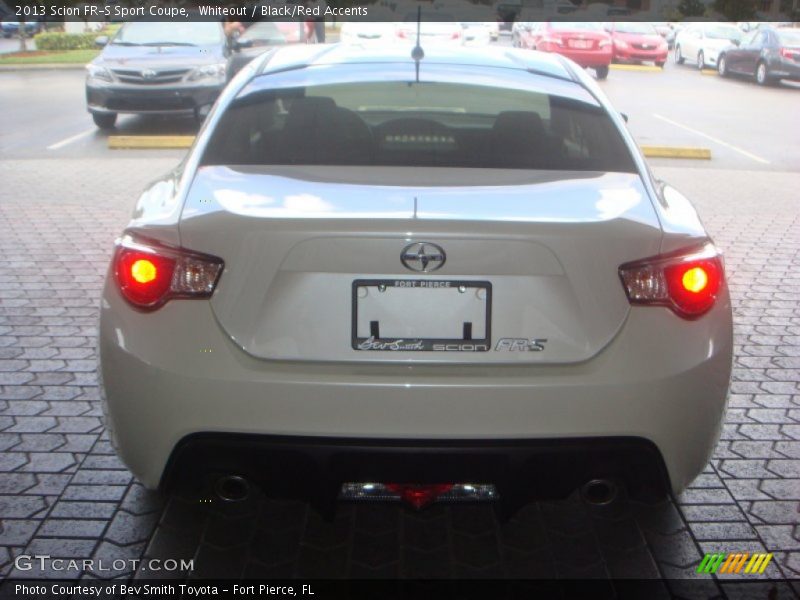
<point x="44" y="67"/>
<point x="650" y="68"/>
<point x="709" y="71"/>
<point x="143" y="142"/>
<point x="676" y="152"/>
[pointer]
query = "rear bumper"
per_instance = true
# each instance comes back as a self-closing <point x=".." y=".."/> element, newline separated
<point x="114" y="98"/>
<point x="636" y="54"/>
<point x="785" y="69"/>
<point x="314" y="469"/>
<point x="173" y="373"/>
<point x="585" y="58"/>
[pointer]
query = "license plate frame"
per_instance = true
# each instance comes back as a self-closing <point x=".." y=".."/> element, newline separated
<point x="580" y="44"/>
<point x="392" y="344"/>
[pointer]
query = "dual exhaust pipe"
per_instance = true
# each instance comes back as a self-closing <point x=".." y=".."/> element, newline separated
<point x="597" y="492"/>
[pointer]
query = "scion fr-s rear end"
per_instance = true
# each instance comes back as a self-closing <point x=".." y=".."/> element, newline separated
<point x="426" y="280"/>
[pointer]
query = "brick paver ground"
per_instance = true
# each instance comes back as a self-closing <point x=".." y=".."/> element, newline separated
<point x="64" y="493"/>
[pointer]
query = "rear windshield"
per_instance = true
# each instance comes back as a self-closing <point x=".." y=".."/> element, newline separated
<point x="426" y="124"/>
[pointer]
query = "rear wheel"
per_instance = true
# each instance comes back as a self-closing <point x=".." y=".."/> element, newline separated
<point x="722" y="66"/>
<point x="701" y="60"/>
<point x="678" y="56"/>
<point x="762" y="75"/>
<point x="601" y="72"/>
<point x="104" y="120"/>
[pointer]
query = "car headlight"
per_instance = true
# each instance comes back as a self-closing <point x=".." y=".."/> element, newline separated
<point x="216" y="71"/>
<point x="98" y="72"/>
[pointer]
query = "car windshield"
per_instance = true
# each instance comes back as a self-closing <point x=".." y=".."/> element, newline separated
<point x="264" y="32"/>
<point x="157" y="33"/>
<point x="640" y="28"/>
<point x="425" y="124"/>
<point x="575" y="26"/>
<point x="789" y="37"/>
<point x="722" y="32"/>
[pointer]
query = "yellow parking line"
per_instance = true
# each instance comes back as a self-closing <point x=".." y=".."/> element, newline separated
<point x="636" y="68"/>
<point x="709" y="71"/>
<point x="118" y="142"/>
<point x="676" y="152"/>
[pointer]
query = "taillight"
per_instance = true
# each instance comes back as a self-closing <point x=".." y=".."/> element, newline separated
<point x="456" y="35"/>
<point x="401" y="34"/>
<point x="789" y="53"/>
<point x="551" y="39"/>
<point x="688" y="281"/>
<point x="148" y="274"/>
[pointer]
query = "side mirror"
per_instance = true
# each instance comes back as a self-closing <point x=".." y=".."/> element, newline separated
<point x="101" y="41"/>
<point x="736" y="42"/>
<point x="624" y="116"/>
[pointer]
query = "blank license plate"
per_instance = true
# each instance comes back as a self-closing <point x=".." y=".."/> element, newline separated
<point x="397" y="315"/>
<point x="579" y="44"/>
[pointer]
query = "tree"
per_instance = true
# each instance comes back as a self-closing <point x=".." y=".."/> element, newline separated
<point x="736" y="10"/>
<point x="692" y="8"/>
<point x="22" y="35"/>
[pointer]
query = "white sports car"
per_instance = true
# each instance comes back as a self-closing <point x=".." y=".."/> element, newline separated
<point x="449" y="277"/>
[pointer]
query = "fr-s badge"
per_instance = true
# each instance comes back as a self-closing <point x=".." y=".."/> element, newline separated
<point x="520" y="345"/>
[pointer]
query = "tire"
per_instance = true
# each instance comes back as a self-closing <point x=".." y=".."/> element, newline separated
<point x="678" y="56"/>
<point x="104" y="120"/>
<point x="601" y="72"/>
<point x="722" y="66"/>
<point x="701" y="61"/>
<point x="762" y="75"/>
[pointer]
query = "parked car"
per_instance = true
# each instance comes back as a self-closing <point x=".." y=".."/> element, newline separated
<point x="152" y="67"/>
<point x="10" y="27"/>
<point x="435" y="29"/>
<point x="369" y="32"/>
<point x="582" y="41"/>
<point x="260" y="37"/>
<point x="378" y="277"/>
<point x="479" y="33"/>
<point x="666" y="31"/>
<point x="701" y="42"/>
<point x="766" y="54"/>
<point x="637" y="42"/>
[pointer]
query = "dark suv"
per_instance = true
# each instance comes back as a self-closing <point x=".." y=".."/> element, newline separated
<point x="157" y="67"/>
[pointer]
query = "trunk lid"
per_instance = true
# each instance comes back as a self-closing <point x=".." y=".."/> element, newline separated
<point x="295" y="239"/>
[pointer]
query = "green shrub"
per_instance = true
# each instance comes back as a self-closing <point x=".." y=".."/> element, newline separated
<point x="65" y="41"/>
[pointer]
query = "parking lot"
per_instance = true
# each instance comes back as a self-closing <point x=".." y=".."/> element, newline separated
<point x="64" y="196"/>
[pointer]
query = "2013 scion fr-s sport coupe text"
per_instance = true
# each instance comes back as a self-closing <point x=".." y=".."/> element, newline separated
<point x="381" y="277"/>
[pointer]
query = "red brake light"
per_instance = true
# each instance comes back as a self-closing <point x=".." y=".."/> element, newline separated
<point x="148" y="274"/>
<point x="688" y="282"/>
<point x="455" y="35"/>
<point x="788" y="52"/>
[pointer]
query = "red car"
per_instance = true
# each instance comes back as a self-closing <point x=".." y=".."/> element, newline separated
<point x="638" y="42"/>
<point x="586" y="43"/>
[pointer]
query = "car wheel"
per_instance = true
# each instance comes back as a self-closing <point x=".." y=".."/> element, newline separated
<point x="678" y="56"/>
<point x="104" y="120"/>
<point x="601" y="72"/>
<point x="722" y="66"/>
<point x="762" y="75"/>
<point x="701" y="60"/>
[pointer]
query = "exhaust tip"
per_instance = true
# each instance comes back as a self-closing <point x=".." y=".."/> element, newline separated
<point x="599" y="492"/>
<point x="232" y="488"/>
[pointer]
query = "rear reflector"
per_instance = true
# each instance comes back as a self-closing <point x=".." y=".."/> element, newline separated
<point x="688" y="281"/>
<point x="419" y="495"/>
<point x="148" y="273"/>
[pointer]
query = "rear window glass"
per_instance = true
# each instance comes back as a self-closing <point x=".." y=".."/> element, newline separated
<point x="426" y="124"/>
